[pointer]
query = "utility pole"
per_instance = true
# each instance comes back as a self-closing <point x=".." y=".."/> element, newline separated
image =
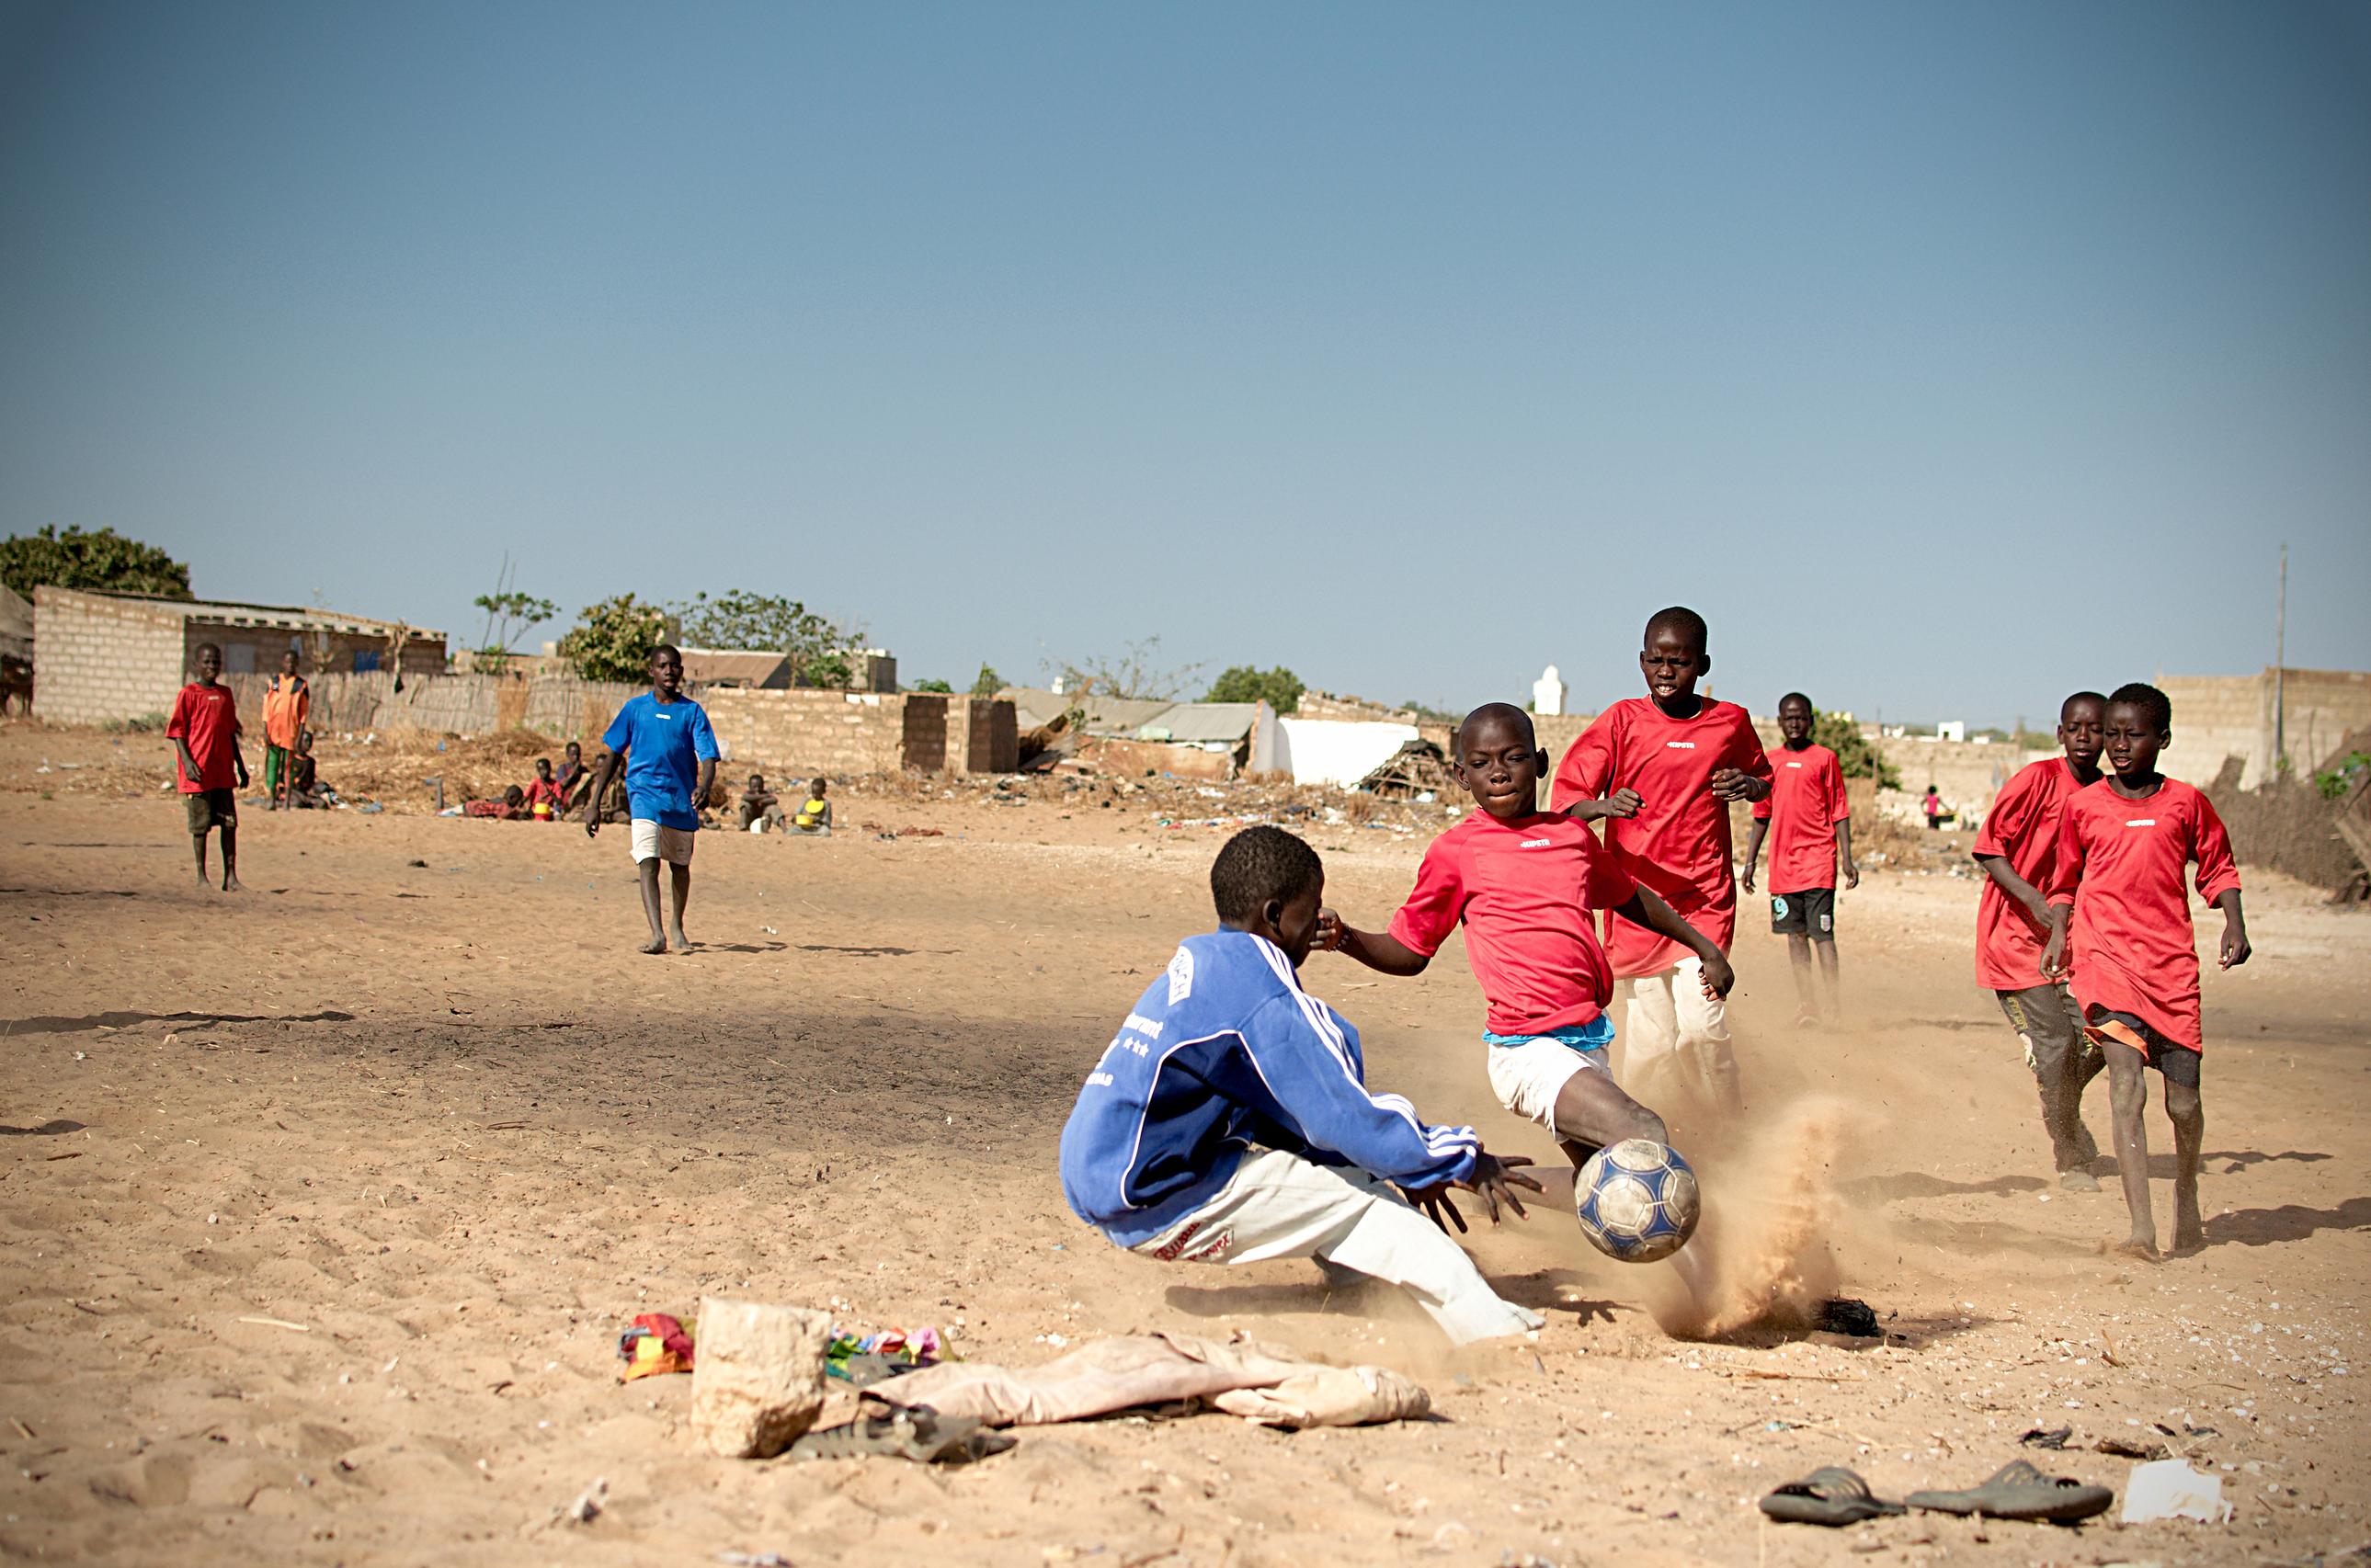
<point x="2281" y="672"/>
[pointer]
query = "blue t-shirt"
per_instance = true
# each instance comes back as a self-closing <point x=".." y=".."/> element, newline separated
<point x="664" y="744"/>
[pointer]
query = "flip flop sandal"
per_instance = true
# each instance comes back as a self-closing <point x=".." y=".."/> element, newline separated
<point x="1830" y="1495"/>
<point x="2018" y="1491"/>
<point x="916" y="1432"/>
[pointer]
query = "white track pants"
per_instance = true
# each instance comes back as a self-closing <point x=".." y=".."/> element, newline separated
<point x="1280" y="1206"/>
<point x="1672" y="1025"/>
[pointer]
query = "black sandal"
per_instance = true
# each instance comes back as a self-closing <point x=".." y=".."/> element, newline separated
<point x="2018" y="1491"/>
<point x="1830" y="1495"/>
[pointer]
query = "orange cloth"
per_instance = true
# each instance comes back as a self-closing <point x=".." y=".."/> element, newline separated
<point x="287" y="704"/>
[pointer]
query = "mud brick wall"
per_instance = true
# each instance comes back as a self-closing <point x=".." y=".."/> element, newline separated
<point x="98" y="660"/>
<point x="2216" y="717"/>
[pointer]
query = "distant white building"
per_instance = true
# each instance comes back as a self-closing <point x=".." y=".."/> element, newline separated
<point x="1548" y="692"/>
<point x="1951" y="730"/>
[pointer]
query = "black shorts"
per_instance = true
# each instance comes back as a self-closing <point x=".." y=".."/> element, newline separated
<point x="2179" y="1063"/>
<point x="211" y="808"/>
<point x="1810" y="913"/>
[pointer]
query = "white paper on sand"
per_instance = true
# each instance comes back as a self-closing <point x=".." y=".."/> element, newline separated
<point x="2169" y="1489"/>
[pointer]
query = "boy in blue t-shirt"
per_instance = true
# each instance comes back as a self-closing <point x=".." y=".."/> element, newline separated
<point x="670" y="757"/>
<point x="1230" y="1122"/>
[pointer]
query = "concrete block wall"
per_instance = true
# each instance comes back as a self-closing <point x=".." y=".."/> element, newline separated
<point x="2216" y="717"/>
<point x="98" y="660"/>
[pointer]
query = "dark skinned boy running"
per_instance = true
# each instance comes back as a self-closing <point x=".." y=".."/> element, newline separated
<point x="1806" y="806"/>
<point x="2017" y="848"/>
<point x="1527" y="886"/>
<point x="2124" y="847"/>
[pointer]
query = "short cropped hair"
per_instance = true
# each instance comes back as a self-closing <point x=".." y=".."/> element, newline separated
<point x="1682" y="620"/>
<point x="666" y="648"/>
<point x="2149" y="701"/>
<point x="1798" y="697"/>
<point x="2074" y="698"/>
<point x="1498" y="712"/>
<point x="1258" y="864"/>
<point x="205" y="648"/>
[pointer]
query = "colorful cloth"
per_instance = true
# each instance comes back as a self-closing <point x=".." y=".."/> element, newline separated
<point x="899" y="1348"/>
<point x="657" y="1343"/>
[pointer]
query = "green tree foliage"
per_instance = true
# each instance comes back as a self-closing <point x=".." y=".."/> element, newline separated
<point x="104" y="562"/>
<point x="1279" y="687"/>
<point x="1857" y="756"/>
<point x="934" y="687"/>
<point x="988" y="682"/>
<point x="820" y="649"/>
<point x="508" y="613"/>
<point x="612" y="640"/>
<point x="2337" y="783"/>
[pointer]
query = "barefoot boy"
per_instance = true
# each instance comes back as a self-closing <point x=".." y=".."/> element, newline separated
<point x="2017" y="848"/>
<point x="815" y="813"/>
<point x="287" y="704"/>
<point x="204" y="732"/>
<point x="670" y="756"/>
<point x="545" y="798"/>
<point x="1808" y="822"/>
<point x="1527" y="886"/>
<point x="2125" y="845"/>
<point x="1228" y="1121"/>
<point x="1661" y="770"/>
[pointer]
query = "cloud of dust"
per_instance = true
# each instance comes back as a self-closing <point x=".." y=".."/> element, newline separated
<point x="1763" y="1253"/>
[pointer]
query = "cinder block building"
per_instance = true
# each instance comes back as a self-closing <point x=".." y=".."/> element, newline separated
<point x="101" y="657"/>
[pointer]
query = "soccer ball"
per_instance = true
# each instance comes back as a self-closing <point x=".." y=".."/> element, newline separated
<point x="1637" y="1201"/>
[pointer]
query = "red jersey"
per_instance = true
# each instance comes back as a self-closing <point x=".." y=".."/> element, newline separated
<point x="206" y="717"/>
<point x="2021" y="828"/>
<point x="1805" y="803"/>
<point x="1679" y="842"/>
<point x="544" y="801"/>
<point x="1528" y="892"/>
<point x="2120" y="862"/>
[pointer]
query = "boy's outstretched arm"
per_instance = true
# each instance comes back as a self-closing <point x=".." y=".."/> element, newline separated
<point x="1647" y="908"/>
<point x="1622" y="803"/>
<point x="1378" y="951"/>
<point x="1754" y="838"/>
<point x="2004" y="875"/>
<point x="2235" y="949"/>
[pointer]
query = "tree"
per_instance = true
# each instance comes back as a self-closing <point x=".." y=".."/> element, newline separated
<point x="1279" y="687"/>
<point x="104" y="562"/>
<point x="613" y="639"/>
<point x="1855" y="758"/>
<point x="819" y="649"/>
<point x="508" y="612"/>
<point x="988" y="682"/>
<point x="1133" y="676"/>
<point x="937" y="688"/>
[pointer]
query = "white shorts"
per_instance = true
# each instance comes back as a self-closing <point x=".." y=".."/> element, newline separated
<point x="1528" y="1078"/>
<point x="652" y="842"/>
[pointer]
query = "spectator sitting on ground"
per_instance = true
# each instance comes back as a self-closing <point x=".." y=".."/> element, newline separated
<point x="544" y="800"/>
<point x="512" y="807"/>
<point x="815" y="815"/>
<point x="572" y="776"/>
<point x="306" y="791"/>
<point x="761" y="809"/>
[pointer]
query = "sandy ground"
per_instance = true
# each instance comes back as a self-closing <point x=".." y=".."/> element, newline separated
<point x="413" y="1093"/>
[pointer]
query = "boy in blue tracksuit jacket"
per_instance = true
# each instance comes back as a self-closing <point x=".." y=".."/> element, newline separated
<point x="1228" y="1121"/>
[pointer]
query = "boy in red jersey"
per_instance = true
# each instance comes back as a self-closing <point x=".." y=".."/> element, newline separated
<point x="1808" y="820"/>
<point x="2017" y="847"/>
<point x="2125" y="845"/>
<point x="1661" y="770"/>
<point x="1527" y="885"/>
<point x="204" y="732"/>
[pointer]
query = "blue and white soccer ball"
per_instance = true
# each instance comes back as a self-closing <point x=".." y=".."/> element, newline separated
<point x="1637" y="1200"/>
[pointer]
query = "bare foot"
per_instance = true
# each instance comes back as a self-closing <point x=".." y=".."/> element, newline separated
<point x="206" y="882"/>
<point x="682" y="942"/>
<point x="2188" y="1236"/>
<point x="2077" y="1180"/>
<point x="655" y="945"/>
<point x="232" y="884"/>
<point x="2139" y="1250"/>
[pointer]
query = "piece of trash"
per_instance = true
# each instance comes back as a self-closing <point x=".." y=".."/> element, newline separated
<point x="2131" y="1449"/>
<point x="1846" y="1316"/>
<point x="657" y="1345"/>
<point x="2055" y="1437"/>
<point x="277" y="1323"/>
<point x="2169" y="1489"/>
<point x="865" y="1360"/>
<point x="587" y="1507"/>
<point x="754" y="1560"/>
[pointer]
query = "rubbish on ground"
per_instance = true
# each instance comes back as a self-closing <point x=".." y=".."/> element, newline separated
<point x="754" y="1560"/>
<point x="2130" y="1449"/>
<point x="657" y="1345"/>
<point x="1830" y="1495"/>
<point x="587" y="1507"/>
<point x="866" y="1359"/>
<point x="1331" y="1396"/>
<point x="2055" y="1437"/>
<point x="758" y="1382"/>
<point x="1846" y="1316"/>
<point x="2169" y="1489"/>
<point x="2018" y="1491"/>
<point x="916" y="1432"/>
<point x="1129" y="1370"/>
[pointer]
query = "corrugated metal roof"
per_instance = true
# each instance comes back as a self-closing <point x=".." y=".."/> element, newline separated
<point x="738" y="666"/>
<point x="277" y="618"/>
<point x="1033" y="707"/>
<point x="1201" y="722"/>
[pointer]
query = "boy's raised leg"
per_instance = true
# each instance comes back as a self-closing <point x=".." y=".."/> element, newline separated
<point x="682" y="878"/>
<point x="649" y="871"/>
<point x="1592" y="1110"/>
<point x="2189" y="1115"/>
<point x="2128" y="1093"/>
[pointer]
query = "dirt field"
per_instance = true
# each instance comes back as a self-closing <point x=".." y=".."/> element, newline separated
<point x="414" y="1092"/>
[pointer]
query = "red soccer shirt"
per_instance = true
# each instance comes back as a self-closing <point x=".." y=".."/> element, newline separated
<point x="2122" y="863"/>
<point x="1528" y="892"/>
<point x="207" y="718"/>
<point x="1679" y="842"/>
<point x="544" y="801"/>
<point x="2021" y="828"/>
<point x="1805" y="803"/>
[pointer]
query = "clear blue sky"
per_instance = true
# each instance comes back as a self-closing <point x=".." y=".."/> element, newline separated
<point x="1945" y="356"/>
